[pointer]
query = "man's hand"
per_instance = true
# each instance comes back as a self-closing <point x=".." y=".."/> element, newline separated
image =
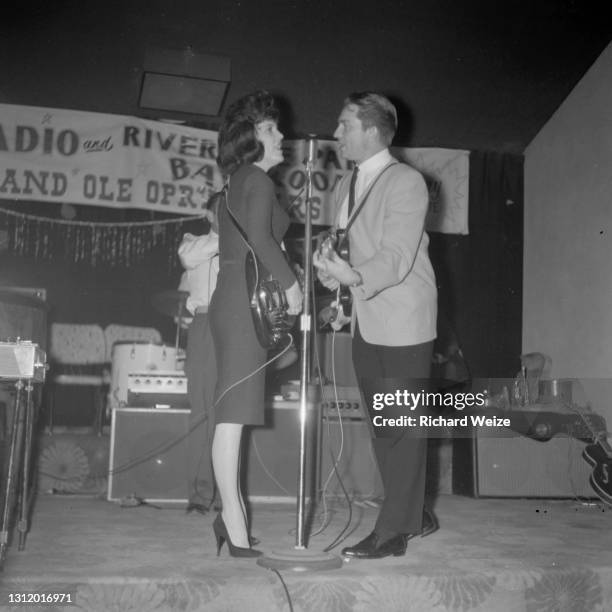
<point x="333" y="271"/>
<point x="320" y="263"/>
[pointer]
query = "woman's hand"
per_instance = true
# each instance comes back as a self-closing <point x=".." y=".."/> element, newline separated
<point x="294" y="299"/>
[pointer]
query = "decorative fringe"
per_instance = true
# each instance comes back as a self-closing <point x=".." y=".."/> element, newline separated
<point x="114" y="244"/>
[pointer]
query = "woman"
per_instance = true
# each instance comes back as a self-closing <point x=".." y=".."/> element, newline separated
<point x="249" y="145"/>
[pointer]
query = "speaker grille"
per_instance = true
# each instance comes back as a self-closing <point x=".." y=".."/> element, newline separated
<point x="518" y="466"/>
<point x="273" y="456"/>
<point x="356" y="468"/>
<point x="148" y="454"/>
<point x="337" y="359"/>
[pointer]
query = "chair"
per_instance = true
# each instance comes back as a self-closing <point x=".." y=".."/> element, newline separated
<point x="127" y="333"/>
<point x="77" y="355"/>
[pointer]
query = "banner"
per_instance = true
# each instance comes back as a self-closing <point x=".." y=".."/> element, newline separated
<point x="446" y="172"/>
<point x="105" y="160"/>
<point x="118" y="161"/>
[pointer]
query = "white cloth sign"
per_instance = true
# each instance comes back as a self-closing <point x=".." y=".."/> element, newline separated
<point x="446" y="172"/>
<point x="105" y="160"/>
<point x="77" y="157"/>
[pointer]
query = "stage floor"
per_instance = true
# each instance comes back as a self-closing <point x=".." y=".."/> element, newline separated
<point x="489" y="555"/>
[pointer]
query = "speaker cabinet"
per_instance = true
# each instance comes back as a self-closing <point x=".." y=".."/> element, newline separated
<point x="497" y="462"/>
<point x="181" y="81"/>
<point x="148" y="454"/>
<point x="273" y="456"/>
<point x="335" y="354"/>
<point x="348" y="446"/>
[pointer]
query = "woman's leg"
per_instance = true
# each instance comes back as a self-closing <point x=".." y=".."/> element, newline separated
<point x="226" y="461"/>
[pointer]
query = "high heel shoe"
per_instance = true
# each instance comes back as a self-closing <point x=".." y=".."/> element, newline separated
<point x="221" y="536"/>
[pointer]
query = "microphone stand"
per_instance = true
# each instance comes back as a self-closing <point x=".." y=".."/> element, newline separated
<point x="301" y="559"/>
<point x="306" y="321"/>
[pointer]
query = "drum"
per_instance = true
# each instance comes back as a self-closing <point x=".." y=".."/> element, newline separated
<point x="129" y="357"/>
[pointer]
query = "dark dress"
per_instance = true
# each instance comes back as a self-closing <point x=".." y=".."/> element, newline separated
<point x="238" y="353"/>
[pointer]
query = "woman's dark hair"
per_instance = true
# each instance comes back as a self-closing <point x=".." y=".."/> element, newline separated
<point x="238" y="142"/>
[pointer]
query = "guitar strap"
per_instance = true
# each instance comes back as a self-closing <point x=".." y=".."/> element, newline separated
<point x="363" y="201"/>
<point x="242" y="233"/>
<point x="270" y="317"/>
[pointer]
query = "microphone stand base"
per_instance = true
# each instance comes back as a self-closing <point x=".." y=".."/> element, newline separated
<point x="300" y="560"/>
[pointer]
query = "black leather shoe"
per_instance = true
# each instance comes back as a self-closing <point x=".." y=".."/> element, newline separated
<point x="430" y="523"/>
<point x="373" y="547"/>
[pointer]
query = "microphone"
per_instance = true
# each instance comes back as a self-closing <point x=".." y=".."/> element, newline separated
<point x="311" y="150"/>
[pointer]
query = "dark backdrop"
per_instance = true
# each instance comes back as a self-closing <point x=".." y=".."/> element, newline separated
<point x="480" y="276"/>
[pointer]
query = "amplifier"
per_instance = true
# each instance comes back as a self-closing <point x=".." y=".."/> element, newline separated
<point x="149" y="455"/>
<point x="342" y="402"/>
<point x="335" y="356"/>
<point x="335" y="401"/>
<point x="272" y="456"/>
<point x="157" y="388"/>
<point x="22" y="360"/>
<point x="497" y="462"/>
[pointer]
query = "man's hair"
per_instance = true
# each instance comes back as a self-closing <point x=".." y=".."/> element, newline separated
<point x="237" y="143"/>
<point x="375" y="110"/>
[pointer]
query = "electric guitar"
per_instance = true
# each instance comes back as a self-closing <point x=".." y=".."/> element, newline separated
<point x="599" y="455"/>
<point x="339" y="313"/>
<point x="268" y="303"/>
<point x="267" y="299"/>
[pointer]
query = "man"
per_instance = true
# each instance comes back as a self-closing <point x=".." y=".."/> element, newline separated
<point x="394" y="303"/>
<point x="199" y="257"/>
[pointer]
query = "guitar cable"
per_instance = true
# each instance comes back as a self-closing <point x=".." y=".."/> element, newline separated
<point x="334" y="458"/>
<point x="168" y="445"/>
<point x="340" y="537"/>
<point x="163" y="448"/>
<point x="337" y="457"/>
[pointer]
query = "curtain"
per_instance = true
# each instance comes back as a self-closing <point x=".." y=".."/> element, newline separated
<point x="480" y="275"/>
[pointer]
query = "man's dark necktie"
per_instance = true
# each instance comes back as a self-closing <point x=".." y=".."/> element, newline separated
<point x="351" y="203"/>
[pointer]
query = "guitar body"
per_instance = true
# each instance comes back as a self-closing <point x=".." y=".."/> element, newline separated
<point x="599" y="455"/>
<point x="340" y="314"/>
<point x="601" y="476"/>
<point x="268" y="304"/>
